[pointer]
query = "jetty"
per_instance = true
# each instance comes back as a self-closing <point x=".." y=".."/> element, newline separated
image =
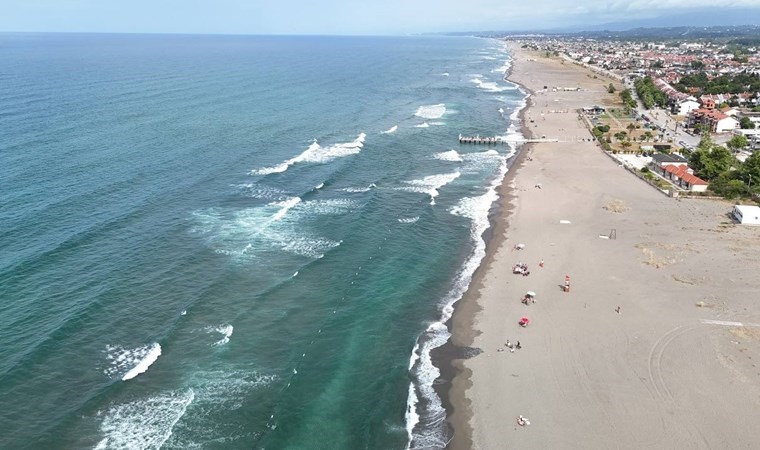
<point x="494" y="140"/>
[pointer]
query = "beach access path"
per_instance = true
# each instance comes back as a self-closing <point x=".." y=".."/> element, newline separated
<point x="676" y="366"/>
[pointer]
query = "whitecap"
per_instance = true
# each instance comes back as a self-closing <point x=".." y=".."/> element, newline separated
<point x="127" y="363"/>
<point x="489" y="86"/>
<point x="431" y="111"/>
<point x="430" y="184"/>
<point x="409" y="219"/>
<point x="225" y="330"/>
<point x="451" y="155"/>
<point x="422" y="125"/>
<point x="317" y="154"/>
<point x="390" y="130"/>
<point x="285" y="206"/>
<point x="143" y="423"/>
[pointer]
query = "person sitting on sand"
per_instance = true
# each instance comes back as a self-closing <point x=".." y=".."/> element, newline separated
<point x="518" y="346"/>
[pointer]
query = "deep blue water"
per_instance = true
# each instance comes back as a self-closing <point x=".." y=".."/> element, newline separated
<point x="237" y="241"/>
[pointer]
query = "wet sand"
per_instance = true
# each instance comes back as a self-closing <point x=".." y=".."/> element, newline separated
<point x="677" y="367"/>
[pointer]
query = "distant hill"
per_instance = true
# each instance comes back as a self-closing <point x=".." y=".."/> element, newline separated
<point x="699" y="17"/>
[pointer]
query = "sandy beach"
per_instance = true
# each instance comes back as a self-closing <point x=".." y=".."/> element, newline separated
<point x="657" y="344"/>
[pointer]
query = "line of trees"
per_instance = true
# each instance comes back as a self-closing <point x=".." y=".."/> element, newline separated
<point x="627" y="98"/>
<point x="649" y="94"/>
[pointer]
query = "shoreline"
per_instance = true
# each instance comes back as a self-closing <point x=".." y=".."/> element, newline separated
<point x="449" y="358"/>
<point x="454" y="380"/>
<point x="649" y="366"/>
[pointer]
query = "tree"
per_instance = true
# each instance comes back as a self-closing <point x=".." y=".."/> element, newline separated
<point x="709" y="163"/>
<point x="746" y="124"/>
<point x="611" y="89"/>
<point x="620" y="135"/>
<point x="631" y="127"/>
<point x="728" y="186"/>
<point x="750" y="171"/>
<point x="737" y="143"/>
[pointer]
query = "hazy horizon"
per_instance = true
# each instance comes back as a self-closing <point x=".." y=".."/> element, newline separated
<point x="342" y="17"/>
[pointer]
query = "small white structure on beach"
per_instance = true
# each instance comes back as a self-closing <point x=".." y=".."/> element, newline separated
<point x="747" y="214"/>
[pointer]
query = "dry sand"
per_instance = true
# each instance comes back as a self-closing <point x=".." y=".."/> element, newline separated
<point x="658" y="374"/>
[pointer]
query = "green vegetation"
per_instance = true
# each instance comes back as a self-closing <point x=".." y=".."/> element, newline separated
<point x="724" y="84"/>
<point x="649" y="94"/>
<point x="627" y="98"/>
<point x="611" y="89"/>
<point x="746" y="124"/>
<point x="737" y="143"/>
<point x="727" y="176"/>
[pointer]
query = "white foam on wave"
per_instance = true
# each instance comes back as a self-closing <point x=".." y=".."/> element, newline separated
<point x="285" y="206"/>
<point x="437" y="124"/>
<point x="330" y="206"/>
<point x="225" y="330"/>
<point x="503" y="68"/>
<point x="143" y="424"/>
<point x="390" y="130"/>
<point x="445" y="74"/>
<point x="430" y="184"/>
<point x="489" y="86"/>
<point x="127" y="363"/>
<point x="451" y="155"/>
<point x="218" y="391"/>
<point x="251" y="232"/>
<point x="424" y="372"/>
<point x="360" y="189"/>
<point x="317" y="154"/>
<point x="409" y="219"/>
<point x="479" y="161"/>
<point x="431" y="111"/>
<point x="422" y="125"/>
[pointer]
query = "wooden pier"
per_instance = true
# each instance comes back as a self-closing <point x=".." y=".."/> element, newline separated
<point x="480" y="140"/>
<point x="494" y="140"/>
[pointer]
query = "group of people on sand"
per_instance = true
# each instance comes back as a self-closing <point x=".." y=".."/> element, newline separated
<point x="521" y="269"/>
<point x="512" y="347"/>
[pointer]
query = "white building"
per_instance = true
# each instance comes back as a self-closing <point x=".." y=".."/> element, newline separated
<point x="726" y="124"/>
<point x="747" y="215"/>
<point x="683" y="108"/>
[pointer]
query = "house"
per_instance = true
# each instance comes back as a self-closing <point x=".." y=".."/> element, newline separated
<point x="684" y="107"/>
<point x="683" y="177"/>
<point x="747" y="215"/>
<point x="662" y="159"/>
<point x="712" y="119"/>
<point x="708" y="103"/>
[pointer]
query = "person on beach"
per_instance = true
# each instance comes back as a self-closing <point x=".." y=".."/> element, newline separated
<point x="541" y="264"/>
<point x="518" y="346"/>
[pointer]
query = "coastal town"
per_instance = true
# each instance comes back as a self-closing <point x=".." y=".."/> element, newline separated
<point x="656" y="344"/>
<point x="688" y="116"/>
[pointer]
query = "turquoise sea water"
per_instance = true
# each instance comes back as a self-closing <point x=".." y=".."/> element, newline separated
<point x="238" y="242"/>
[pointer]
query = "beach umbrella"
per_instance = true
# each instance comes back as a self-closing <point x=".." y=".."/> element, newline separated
<point x="530" y="293"/>
<point x="524" y="321"/>
<point x="520" y="246"/>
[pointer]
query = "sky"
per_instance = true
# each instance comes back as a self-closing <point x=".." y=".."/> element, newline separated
<point x="351" y="17"/>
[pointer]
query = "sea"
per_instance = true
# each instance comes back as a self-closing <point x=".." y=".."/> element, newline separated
<point x="236" y="242"/>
